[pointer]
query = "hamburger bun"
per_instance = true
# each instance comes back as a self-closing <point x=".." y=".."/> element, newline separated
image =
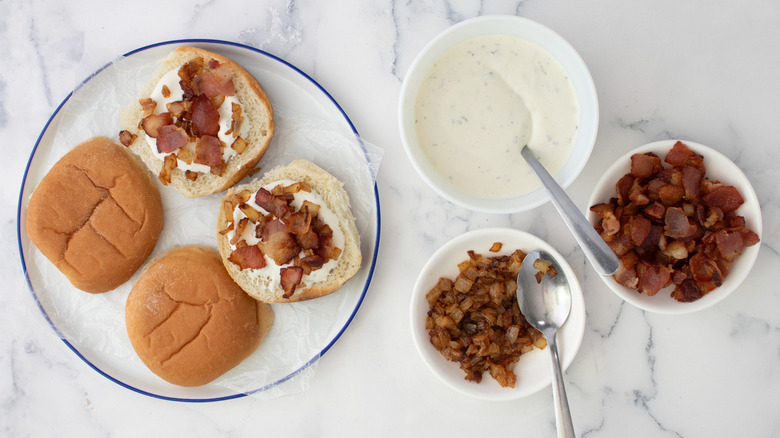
<point x="256" y="112"/>
<point x="188" y="321"/>
<point x="96" y="215"/>
<point x="266" y="284"/>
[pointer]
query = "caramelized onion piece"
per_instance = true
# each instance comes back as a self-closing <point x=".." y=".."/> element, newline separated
<point x="248" y="257"/>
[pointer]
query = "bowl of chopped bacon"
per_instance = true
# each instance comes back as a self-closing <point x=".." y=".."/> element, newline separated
<point x="684" y="221"/>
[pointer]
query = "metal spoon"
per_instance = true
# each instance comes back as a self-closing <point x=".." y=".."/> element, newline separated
<point x="601" y="256"/>
<point x="546" y="307"/>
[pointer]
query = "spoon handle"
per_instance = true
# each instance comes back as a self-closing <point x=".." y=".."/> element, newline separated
<point x="562" y="414"/>
<point x="601" y="256"/>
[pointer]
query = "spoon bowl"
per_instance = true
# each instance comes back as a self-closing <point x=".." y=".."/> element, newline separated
<point x="546" y="303"/>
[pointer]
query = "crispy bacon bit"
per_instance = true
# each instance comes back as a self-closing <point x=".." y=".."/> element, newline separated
<point x="166" y="92"/>
<point x="290" y="278"/>
<point x="644" y="165"/>
<point x="126" y="137"/>
<point x="205" y="117"/>
<point x="677" y="225"/>
<point x="299" y="223"/>
<point x="248" y="257"/>
<point x="170" y="138"/>
<point x="278" y="243"/>
<point x="275" y="205"/>
<point x="687" y="236"/>
<point x="147" y="106"/>
<point x="152" y="123"/>
<point x="208" y="151"/>
<point x="727" y="198"/>
<point x="169" y="164"/>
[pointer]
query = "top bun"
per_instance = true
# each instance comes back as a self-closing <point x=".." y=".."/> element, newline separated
<point x="266" y="285"/>
<point x="212" y="177"/>
<point x="96" y="215"/>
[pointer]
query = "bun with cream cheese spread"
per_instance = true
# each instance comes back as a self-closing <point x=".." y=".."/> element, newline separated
<point x="200" y="124"/>
<point x="289" y="236"/>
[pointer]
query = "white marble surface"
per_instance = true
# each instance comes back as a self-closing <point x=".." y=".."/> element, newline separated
<point x="702" y="70"/>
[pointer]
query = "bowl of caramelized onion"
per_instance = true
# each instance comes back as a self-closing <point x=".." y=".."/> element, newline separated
<point x="466" y="323"/>
<point x="684" y="221"/>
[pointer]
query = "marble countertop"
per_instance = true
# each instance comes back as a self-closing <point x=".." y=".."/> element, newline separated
<point x="699" y="70"/>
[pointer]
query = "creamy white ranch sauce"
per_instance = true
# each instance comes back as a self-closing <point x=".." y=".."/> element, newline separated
<point x="271" y="269"/>
<point x="171" y="80"/>
<point x="486" y="98"/>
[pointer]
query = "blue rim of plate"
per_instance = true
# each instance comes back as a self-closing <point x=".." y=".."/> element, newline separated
<point x="233" y="396"/>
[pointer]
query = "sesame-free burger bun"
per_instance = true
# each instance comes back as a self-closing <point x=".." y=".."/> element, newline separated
<point x="96" y="215"/>
<point x="188" y="321"/>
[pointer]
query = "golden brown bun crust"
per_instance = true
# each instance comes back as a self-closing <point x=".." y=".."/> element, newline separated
<point x="96" y="215"/>
<point x="257" y="108"/>
<point x="188" y="321"/>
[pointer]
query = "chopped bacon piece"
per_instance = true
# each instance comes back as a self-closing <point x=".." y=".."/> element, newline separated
<point x="644" y="165"/>
<point x="640" y="228"/>
<point x="676" y="224"/>
<point x="624" y="185"/>
<point x="151" y="124"/>
<point x="299" y="222"/>
<point x="171" y="138"/>
<point x="655" y="210"/>
<point x="680" y="155"/>
<point x="326" y="249"/>
<point x="276" y="205"/>
<point x="670" y="194"/>
<point x="309" y="240"/>
<point x="691" y="182"/>
<point x="687" y="291"/>
<point x="248" y="257"/>
<point x="205" y="117"/>
<point x="312" y="262"/>
<point x="278" y="243"/>
<point x="654" y="277"/>
<point x="727" y="198"/>
<point x="209" y="151"/>
<point x="291" y="277"/>
<point x="729" y="243"/>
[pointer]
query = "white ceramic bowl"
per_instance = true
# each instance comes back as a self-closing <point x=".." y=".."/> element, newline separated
<point x="536" y="33"/>
<point x="533" y="370"/>
<point x="718" y="168"/>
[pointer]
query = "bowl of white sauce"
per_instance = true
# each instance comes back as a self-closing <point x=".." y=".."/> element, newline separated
<point x="480" y="91"/>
